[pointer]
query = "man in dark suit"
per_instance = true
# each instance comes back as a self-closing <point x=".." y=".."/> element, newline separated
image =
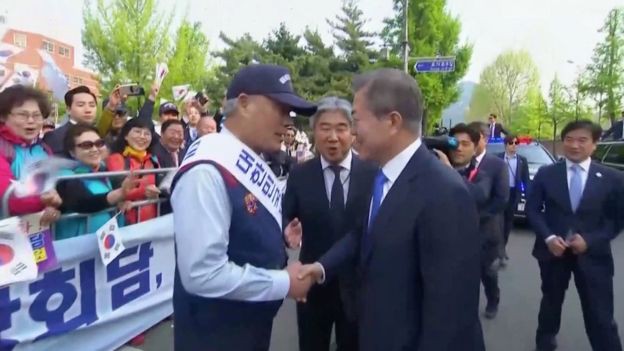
<point x="616" y="130"/>
<point x="496" y="129"/>
<point x="518" y="170"/>
<point x="329" y="196"/>
<point x="572" y="207"/>
<point x="491" y="225"/>
<point x="168" y="149"/>
<point x="417" y="251"/>
<point x="82" y="108"/>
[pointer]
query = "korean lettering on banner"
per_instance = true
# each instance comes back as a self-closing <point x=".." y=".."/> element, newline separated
<point x="65" y="298"/>
<point x="41" y="241"/>
<point x="120" y="296"/>
<point x="261" y="177"/>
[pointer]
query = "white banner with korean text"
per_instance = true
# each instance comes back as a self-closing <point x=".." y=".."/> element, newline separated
<point x="84" y="305"/>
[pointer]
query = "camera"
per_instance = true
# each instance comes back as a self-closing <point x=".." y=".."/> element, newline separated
<point x="444" y="143"/>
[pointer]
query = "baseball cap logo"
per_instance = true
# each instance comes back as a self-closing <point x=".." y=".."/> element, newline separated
<point x="285" y="79"/>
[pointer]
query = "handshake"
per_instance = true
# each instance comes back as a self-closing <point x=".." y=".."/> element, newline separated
<point x="302" y="277"/>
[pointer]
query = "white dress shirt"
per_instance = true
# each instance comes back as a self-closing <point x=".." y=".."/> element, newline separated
<point x="393" y="168"/>
<point x="584" y="172"/>
<point x="479" y="158"/>
<point x="512" y="166"/>
<point x="345" y="175"/>
<point x="202" y="212"/>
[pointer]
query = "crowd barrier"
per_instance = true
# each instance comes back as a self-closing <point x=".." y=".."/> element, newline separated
<point x="84" y="305"/>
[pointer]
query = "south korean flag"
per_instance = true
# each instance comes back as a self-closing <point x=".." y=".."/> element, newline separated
<point x="109" y="240"/>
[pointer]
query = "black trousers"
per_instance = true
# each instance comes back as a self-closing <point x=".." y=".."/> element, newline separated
<point x="489" y="274"/>
<point x="316" y="317"/>
<point x="594" y="281"/>
<point x="508" y="218"/>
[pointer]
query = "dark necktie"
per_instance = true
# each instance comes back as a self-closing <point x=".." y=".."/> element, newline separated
<point x="367" y="242"/>
<point x="337" y="205"/>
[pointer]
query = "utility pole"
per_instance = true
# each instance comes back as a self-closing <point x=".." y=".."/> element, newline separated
<point x="405" y="41"/>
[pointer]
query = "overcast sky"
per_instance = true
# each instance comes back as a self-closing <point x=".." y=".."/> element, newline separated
<point x="553" y="31"/>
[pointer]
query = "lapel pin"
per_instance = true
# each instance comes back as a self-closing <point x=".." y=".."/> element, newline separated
<point x="598" y="174"/>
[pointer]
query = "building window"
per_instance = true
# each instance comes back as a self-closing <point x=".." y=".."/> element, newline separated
<point x="19" y="40"/>
<point x="47" y="46"/>
<point x="63" y="51"/>
<point x="77" y="80"/>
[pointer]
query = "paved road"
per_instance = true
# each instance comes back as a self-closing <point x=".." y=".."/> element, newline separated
<point x="514" y="328"/>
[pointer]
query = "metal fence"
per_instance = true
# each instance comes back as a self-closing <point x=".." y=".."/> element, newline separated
<point x="136" y="204"/>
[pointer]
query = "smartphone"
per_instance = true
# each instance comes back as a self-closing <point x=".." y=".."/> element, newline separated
<point x="201" y="98"/>
<point x="131" y="90"/>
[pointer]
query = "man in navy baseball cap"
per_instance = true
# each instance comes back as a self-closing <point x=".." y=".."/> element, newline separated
<point x="259" y="101"/>
<point x="168" y="111"/>
<point x="271" y="81"/>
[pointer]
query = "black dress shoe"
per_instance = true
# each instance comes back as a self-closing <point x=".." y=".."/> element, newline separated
<point x="491" y="310"/>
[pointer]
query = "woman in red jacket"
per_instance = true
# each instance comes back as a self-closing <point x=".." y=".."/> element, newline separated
<point x="131" y="152"/>
<point x="22" y="111"/>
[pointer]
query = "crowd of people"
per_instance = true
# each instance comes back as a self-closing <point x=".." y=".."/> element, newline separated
<point x="395" y="238"/>
<point x="97" y="142"/>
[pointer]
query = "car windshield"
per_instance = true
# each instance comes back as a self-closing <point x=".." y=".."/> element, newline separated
<point x="532" y="152"/>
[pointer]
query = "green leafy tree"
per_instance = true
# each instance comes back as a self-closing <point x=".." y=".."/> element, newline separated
<point x="124" y="40"/>
<point x="283" y="43"/>
<point x="481" y="104"/>
<point x="606" y="72"/>
<point x="351" y="38"/>
<point x="432" y="31"/>
<point x="559" y="109"/>
<point x="508" y="82"/>
<point x="188" y="62"/>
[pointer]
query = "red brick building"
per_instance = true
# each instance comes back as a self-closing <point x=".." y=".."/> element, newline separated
<point x="63" y="55"/>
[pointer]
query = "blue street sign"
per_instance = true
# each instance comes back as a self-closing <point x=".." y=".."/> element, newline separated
<point x="435" y="64"/>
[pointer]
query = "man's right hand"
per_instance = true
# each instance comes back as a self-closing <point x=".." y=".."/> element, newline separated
<point x="557" y="246"/>
<point x="115" y="99"/>
<point x="154" y="91"/>
<point x="299" y="286"/>
<point x="51" y="199"/>
<point x="443" y="158"/>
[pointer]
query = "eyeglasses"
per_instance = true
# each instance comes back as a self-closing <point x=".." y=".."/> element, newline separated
<point x="88" y="145"/>
<point x="24" y="116"/>
<point x="512" y="143"/>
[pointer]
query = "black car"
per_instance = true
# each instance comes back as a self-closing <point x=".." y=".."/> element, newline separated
<point x="610" y="153"/>
<point x="537" y="156"/>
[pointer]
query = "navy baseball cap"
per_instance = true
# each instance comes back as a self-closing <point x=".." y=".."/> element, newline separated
<point x="168" y="107"/>
<point x="271" y="81"/>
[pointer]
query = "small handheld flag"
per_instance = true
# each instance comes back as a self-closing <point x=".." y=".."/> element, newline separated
<point x="109" y="240"/>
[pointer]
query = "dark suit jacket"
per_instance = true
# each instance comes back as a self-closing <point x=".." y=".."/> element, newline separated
<point x="419" y="284"/>
<point x="498" y="130"/>
<point x="597" y="219"/>
<point x="306" y="199"/>
<point x="280" y="163"/>
<point x="56" y="138"/>
<point x="615" y="130"/>
<point x="492" y="213"/>
<point x="165" y="160"/>
<point x="521" y="172"/>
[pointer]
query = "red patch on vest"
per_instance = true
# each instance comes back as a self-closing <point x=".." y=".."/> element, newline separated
<point x="251" y="203"/>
